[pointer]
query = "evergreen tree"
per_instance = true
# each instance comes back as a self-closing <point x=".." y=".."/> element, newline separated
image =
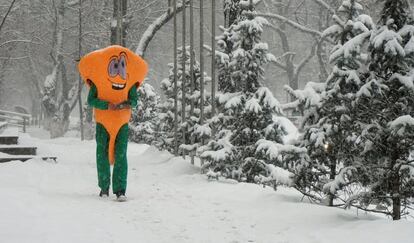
<point x="232" y="11"/>
<point x="385" y="108"/>
<point x="144" y="120"/>
<point x="166" y="109"/>
<point x="225" y="46"/>
<point x="329" y="127"/>
<point x="233" y="14"/>
<point x="248" y="133"/>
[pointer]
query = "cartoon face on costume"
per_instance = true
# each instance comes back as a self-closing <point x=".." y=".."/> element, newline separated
<point x="117" y="71"/>
<point x="113" y="70"/>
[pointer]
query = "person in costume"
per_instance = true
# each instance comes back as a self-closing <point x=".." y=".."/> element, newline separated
<point x="113" y="75"/>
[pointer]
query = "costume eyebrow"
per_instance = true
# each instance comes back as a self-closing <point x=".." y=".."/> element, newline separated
<point x="112" y="57"/>
<point x="126" y="56"/>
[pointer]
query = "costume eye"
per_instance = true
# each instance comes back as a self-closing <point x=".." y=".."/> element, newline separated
<point x="113" y="67"/>
<point x="122" y="67"/>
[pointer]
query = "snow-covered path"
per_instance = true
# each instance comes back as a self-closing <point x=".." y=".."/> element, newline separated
<point x="169" y="201"/>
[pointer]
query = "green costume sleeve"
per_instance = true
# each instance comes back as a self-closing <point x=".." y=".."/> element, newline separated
<point x="94" y="101"/>
<point x="133" y="97"/>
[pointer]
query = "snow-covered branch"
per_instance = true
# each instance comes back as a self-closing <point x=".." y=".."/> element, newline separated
<point x="7" y="13"/>
<point x="306" y="59"/>
<point x="246" y="3"/>
<point x="24" y="41"/>
<point x="155" y="26"/>
<point x="290" y="22"/>
<point x="325" y="5"/>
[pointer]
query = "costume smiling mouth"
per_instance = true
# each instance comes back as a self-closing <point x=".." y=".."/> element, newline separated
<point x="118" y="86"/>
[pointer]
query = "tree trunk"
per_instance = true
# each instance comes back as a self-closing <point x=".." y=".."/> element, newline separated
<point x="395" y="187"/>
<point x="290" y="66"/>
<point x="89" y="124"/>
<point x="3" y="65"/>
<point x="119" y="23"/>
<point x="58" y="118"/>
<point x="332" y="174"/>
<point x="321" y="52"/>
<point x="80" y="84"/>
<point x="87" y="111"/>
<point x="396" y="199"/>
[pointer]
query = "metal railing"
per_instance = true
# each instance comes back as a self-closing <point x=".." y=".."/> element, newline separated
<point x="15" y="119"/>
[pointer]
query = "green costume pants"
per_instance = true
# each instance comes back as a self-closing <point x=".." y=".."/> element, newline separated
<point x="120" y="171"/>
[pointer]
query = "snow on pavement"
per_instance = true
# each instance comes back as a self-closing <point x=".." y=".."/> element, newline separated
<point x="169" y="201"/>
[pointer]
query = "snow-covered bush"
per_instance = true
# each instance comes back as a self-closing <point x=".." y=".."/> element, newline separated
<point x="144" y="120"/>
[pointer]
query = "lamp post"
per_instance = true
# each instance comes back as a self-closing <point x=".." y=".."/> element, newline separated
<point x="175" y="81"/>
<point x="201" y="69"/>
<point x="192" y="79"/>
<point x="183" y="76"/>
<point x="213" y="59"/>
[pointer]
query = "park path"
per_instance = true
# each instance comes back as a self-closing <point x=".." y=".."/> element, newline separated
<point x="169" y="201"/>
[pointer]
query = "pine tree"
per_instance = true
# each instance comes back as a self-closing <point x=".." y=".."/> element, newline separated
<point x="144" y="121"/>
<point x="225" y="43"/>
<point x="243" y="148"/>
<point x="232" y="11"/>
<point x="329" y="127"/>
<point x="386" y="107"/>
<point x="166" y="109"/>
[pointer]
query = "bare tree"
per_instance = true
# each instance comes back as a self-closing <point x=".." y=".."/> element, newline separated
<point x="288" y="64"/>
<point x="58" y="96"/>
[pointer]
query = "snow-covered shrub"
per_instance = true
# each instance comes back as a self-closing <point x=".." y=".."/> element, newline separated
<point x="144" y="120"/>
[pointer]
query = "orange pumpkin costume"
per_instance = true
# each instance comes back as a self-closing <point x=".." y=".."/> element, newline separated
<point x="113" y="71"/>
<point x="94" y="68"/>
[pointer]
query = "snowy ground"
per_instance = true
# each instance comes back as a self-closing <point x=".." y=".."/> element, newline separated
<point x="169" y="201"/>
